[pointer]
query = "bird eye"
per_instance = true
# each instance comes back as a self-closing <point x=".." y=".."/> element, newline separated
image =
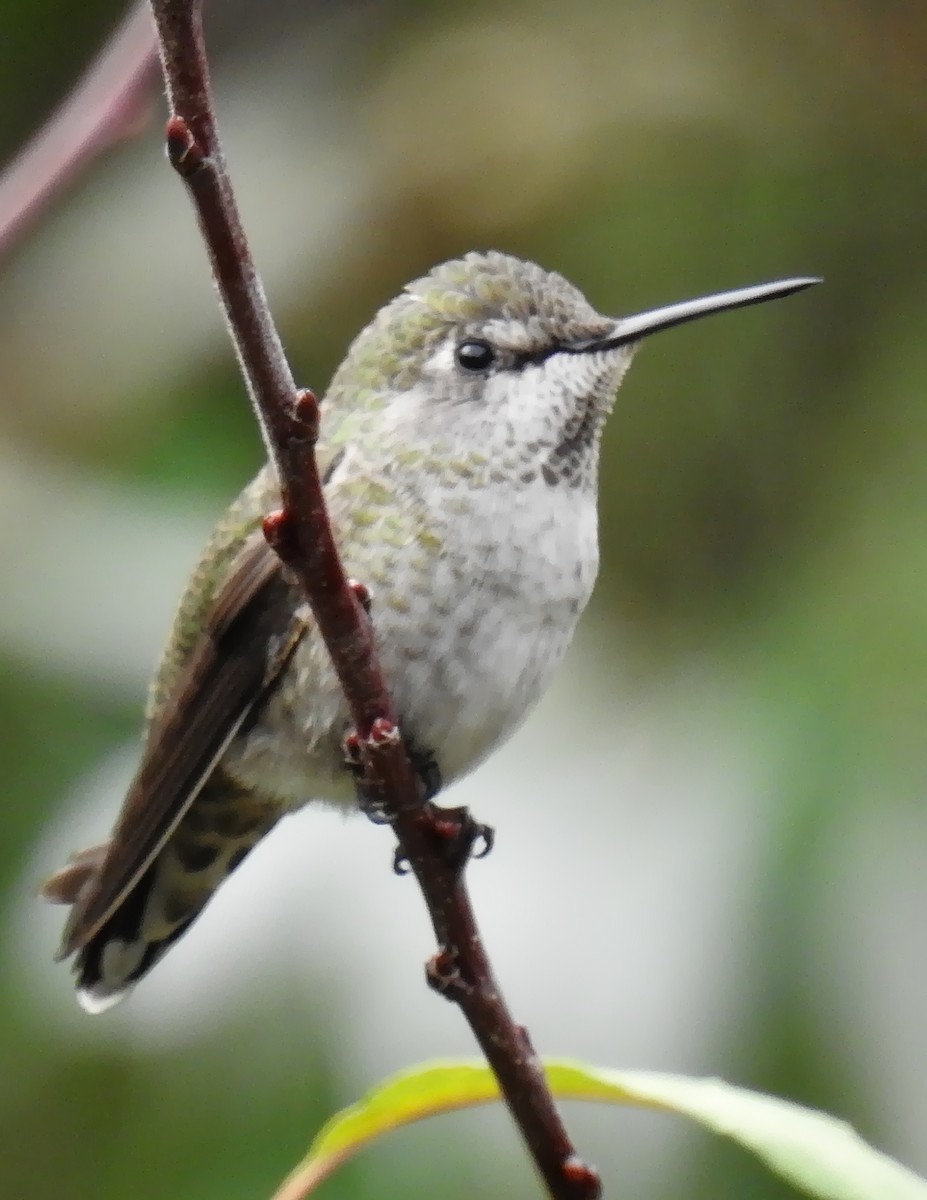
<point x="475" y="355"/>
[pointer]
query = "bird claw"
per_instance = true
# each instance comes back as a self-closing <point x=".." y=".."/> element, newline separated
<point x="373" y="808"/>
<point x="485" y="834"/>
<point x="428" y="771"/>
<point x="459" y="836"/>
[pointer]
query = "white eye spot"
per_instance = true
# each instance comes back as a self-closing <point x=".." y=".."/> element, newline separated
<point x="442" y="361"/>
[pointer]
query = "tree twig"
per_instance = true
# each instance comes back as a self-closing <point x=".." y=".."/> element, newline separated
<point x="434" y="842"/>
<point x="105" y="107"/>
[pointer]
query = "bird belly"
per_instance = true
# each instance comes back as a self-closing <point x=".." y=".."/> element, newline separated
<point x="488" y="620"/>
<point x="471" y="619"/>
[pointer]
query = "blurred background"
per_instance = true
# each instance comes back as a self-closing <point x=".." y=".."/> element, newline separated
<point x="711" y="837"/>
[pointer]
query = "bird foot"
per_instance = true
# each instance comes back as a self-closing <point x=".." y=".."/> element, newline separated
<point x="457" y="836"/>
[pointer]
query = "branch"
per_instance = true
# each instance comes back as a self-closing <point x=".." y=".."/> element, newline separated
<point x="434" y="842"/>
<point x="106" y="106"/>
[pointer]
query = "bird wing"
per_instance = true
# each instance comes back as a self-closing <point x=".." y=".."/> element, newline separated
<point x="252" y="630"/>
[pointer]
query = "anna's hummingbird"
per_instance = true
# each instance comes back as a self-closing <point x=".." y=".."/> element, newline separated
<point x="459" y="450"/>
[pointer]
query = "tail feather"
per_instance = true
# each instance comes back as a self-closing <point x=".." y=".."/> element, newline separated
<point x="124" y="950"/>
<point x="97" y="985"/>
<point x="68" y="884"/>
<point x="167" y="899"/>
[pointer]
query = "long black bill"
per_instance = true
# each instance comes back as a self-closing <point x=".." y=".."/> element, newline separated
<point x="632" y="329"/>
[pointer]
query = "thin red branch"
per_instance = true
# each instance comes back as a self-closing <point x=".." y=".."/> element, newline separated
<point x="107" y="106"/>
<point x="301" y="534"/>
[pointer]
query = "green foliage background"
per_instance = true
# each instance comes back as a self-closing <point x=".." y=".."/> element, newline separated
<point x="763" y="517"/>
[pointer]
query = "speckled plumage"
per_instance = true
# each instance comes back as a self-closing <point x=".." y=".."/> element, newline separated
<point x="464" y="499"/>
<point x="441" y="508"/>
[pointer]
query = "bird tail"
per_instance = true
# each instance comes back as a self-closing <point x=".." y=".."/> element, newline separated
<point x="149" y="919"/>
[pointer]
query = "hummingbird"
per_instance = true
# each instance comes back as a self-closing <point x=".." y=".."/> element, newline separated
<point x="459" y="453"/>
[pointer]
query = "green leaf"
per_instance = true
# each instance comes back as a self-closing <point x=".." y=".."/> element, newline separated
<point x="819" y="1154"/>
